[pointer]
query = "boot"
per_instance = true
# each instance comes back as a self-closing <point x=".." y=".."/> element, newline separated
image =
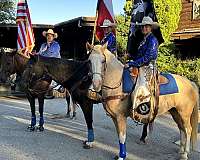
<point x="92" y="94"/>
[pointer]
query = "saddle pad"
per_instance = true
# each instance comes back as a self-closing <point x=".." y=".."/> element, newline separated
<point x="127" y="81"/>
<point x="170" y="87"/>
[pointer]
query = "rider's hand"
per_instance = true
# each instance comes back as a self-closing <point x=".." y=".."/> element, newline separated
<point x="126" y="66"/>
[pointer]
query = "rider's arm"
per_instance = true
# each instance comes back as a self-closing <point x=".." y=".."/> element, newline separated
<point x="149" y="54"/>
<point x="55" y="50"/>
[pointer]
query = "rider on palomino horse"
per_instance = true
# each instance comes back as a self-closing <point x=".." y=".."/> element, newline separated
<point x="145" y="57"/>
<point x="110" y="39"/>
<point x="109" y="36"/>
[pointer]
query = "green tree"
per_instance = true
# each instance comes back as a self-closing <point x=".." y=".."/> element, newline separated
<point x="7" y="11"/>
<point x="167" y="12"/>
<point x="122" y="33"/>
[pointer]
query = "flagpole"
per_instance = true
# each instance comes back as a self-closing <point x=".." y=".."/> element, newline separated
<point x="95" y="27"/>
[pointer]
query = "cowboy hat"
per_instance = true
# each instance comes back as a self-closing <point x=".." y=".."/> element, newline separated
<point x="108" y="23"/>
<point x="148" y="21"/>
<point x="50" y="31"/>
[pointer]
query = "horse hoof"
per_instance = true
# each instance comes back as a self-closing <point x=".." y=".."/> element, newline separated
<point x="184" y="156"/>
<point x="31" y="128"/>
<point x="118" y="158"/>
<point x="40" y="128"/>
<point x="67" y="116"/>
<point x="141" y="142"/>
<point x="87" y="145"/>
<point x="73" y="118"/>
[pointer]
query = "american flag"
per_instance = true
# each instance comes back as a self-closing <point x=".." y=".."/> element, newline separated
<point x="104" y="11"/>
<point x="25" y="37"/>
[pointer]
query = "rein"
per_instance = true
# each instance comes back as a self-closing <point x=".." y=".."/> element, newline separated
<point x="109" y="98"/>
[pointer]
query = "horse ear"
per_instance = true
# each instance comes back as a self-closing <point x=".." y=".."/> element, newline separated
<point x="105" y="46"/>
<point x="89" y="47"/>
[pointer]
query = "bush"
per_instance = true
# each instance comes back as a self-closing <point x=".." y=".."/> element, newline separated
<point x="168" y="62"/>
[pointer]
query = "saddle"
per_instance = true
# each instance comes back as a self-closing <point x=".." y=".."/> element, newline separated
<point x="134" y="71"/>
<point x="162" y="79"/>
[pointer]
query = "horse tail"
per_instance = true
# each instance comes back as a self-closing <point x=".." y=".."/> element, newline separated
<point x="194" y="119"/>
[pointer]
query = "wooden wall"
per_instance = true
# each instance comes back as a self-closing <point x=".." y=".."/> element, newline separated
<point x="186" y="18"/>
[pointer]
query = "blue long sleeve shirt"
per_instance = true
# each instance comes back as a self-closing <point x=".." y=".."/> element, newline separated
<point x="111" y="39"/>
<point x="147" y="52"/>
<point x="50" y="50"/>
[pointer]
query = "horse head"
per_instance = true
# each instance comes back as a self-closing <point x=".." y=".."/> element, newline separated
<point x="33" y="71"/>
<point x="7" y="64"/>
<point x="97" y="58"/>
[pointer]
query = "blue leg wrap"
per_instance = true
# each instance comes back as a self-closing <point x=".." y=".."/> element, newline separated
<point x="122" y="152"/>
<point x="33" y="121"/>
<point x="41" y="122"/>
<point x="90" y="135"/>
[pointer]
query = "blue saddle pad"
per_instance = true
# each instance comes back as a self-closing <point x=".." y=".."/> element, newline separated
<point x="170" y="87"/>
<point x="127" y="81"/>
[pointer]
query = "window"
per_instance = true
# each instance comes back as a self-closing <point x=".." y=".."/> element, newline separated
<point x="196" y="9"/>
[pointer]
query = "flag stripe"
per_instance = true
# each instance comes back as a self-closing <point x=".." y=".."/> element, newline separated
<point x="105" y="11"/>
<point x="109" y="6"/>
<point x="25" y="38"/>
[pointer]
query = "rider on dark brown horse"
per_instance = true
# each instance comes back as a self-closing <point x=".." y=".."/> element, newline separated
<point x="51" y="48"/>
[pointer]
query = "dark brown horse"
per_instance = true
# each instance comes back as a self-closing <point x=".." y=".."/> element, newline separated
<point x="73" y="75"/>
<point x="12" y="63"/>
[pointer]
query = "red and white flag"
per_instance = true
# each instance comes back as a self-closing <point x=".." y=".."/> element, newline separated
<point x="104" y="11"/>
<point x="25" y="37"/>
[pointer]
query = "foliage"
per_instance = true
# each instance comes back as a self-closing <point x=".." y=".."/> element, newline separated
<point x="167" y="12"/>
<point x="168" y="62"/>
<point x="168" y="15"/>
<point x="122" y="33"/>
<point x="7" y="11"/>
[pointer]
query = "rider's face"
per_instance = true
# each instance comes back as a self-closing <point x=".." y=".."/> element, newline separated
<point x="50" y="37"/>
<point x="107" y="30"/>
<point x="146" y="29"/>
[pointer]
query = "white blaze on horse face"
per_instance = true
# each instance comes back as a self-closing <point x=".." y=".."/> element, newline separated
<point x="97" y="65"/>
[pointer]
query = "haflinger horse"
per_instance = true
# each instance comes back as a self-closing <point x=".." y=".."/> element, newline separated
<point x="74" y="76"/>
<point x="107" y="76"/>
<point x="12" y="63"/>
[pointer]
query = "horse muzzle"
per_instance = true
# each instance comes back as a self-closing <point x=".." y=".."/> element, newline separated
<point x="97" y="85"/>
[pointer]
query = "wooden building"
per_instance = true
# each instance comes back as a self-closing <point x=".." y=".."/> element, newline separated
<point x="72" y="36"/>
<point x="187" y="36"/>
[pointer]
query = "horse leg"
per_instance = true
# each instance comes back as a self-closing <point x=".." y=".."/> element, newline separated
<point x="41" y="110"/>
<point x="31" y="100"/>
<point x="144" y="133"/>
<point x="120" y="124"/>
<point x="68" y="103"/>
<point x="87" y="109"/>
<point x="74" y="111"/>
<point x="184" y="133"/>
<point x="187" y="133"/>
<point x="71" y="107"/>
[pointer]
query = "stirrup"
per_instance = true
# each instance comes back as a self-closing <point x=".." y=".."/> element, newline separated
<point x="94" y="95"/>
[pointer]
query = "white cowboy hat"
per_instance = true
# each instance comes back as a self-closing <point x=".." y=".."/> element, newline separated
<point x="108" y="23"/>
<point x="148" y="21"/>
<point x="50" y="31"/>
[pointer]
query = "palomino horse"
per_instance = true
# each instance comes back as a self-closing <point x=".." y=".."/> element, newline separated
<point x="14" y="63"/>
<point x="71" y="74"/>
<point x="107" y="76"/>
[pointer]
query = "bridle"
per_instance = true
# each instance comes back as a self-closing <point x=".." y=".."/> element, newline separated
<point x="114" y="97"/>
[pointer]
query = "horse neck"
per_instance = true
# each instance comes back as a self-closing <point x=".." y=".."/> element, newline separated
<point x="113" y="71"/>
<point x="62" y="72"/>
<point x="20" y="63"/>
